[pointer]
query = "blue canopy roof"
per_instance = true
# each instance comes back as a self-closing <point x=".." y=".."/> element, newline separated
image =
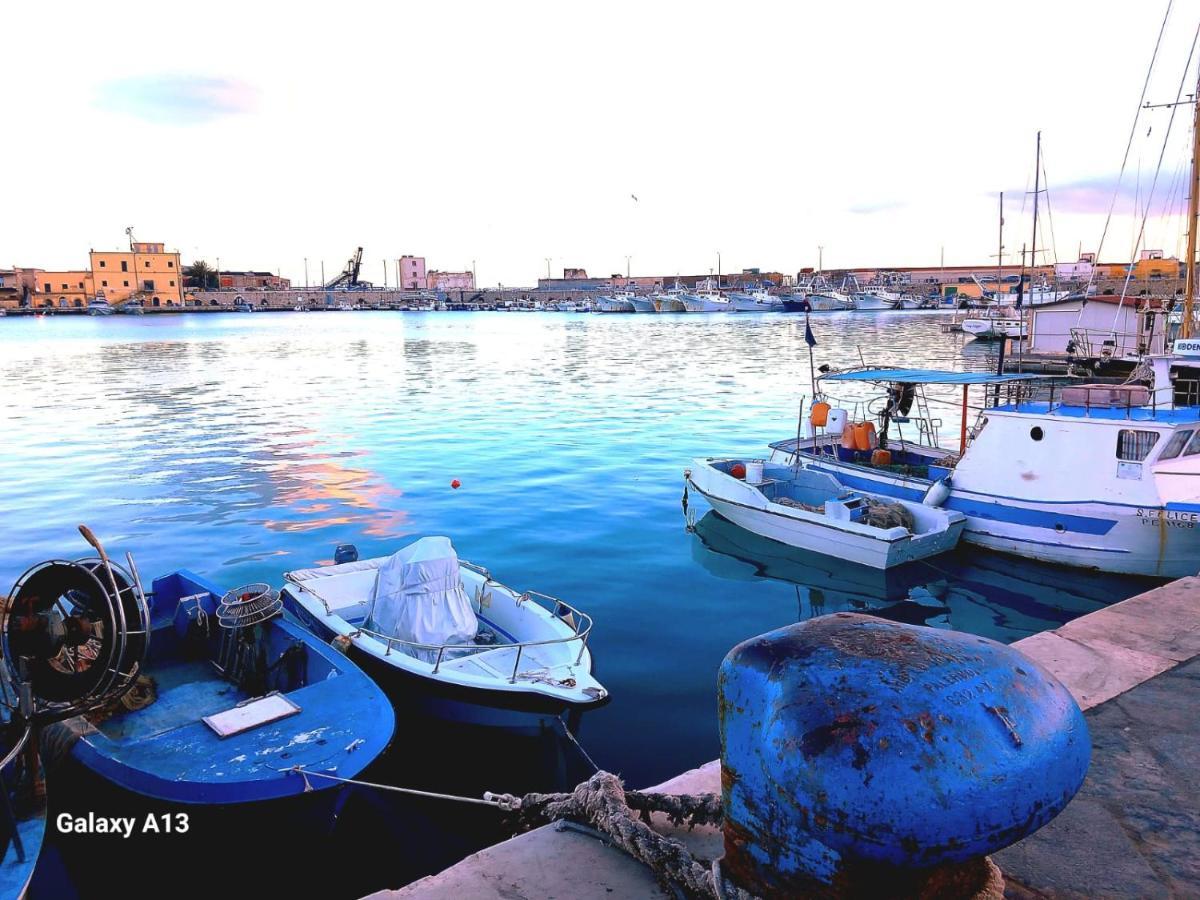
<point x="926" y="376"/>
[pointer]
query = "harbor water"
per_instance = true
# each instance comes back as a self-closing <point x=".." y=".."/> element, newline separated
<point x="243" y="446"/>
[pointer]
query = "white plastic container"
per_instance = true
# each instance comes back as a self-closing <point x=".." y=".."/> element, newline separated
<point x="754" y="471"/>
<point x="836" y="422"/>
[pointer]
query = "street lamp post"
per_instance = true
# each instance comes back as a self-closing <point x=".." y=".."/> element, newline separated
<point x="306" y="273"/>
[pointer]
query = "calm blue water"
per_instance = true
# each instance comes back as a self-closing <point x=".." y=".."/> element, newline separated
<point x="243" y="446"/>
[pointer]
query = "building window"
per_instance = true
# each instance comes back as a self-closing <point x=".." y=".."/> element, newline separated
<point x="170" y="263"/>
<point x="124" y="265"/>
<point x="147" y="264"/>
<point x="126" y="283"/>
<point x="104" y="284"/>
<point x="47" y="287"/>
<point x="172" y="284"/>
<point x="66" y="287"/>
<point x="102" y="264"/>
<point x="1134" y="446"/>
<point x="147" y="285"/>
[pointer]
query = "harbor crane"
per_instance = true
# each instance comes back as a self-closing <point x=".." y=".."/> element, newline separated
<point x="348" y="279"/>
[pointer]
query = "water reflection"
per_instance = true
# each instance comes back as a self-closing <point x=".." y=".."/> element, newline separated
<point x="967" y="590"/>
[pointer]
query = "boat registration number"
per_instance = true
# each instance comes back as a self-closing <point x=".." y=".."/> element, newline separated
<point x="1169" y="517"/>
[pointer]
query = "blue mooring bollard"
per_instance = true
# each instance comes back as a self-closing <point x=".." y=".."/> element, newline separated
<point x="857" y="751"/>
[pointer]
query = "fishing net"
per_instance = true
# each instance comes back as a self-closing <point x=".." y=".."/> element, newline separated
<point x="889" y="515"/>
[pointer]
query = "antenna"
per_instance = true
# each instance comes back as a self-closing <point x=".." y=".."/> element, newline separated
<point x="129" y="234"/>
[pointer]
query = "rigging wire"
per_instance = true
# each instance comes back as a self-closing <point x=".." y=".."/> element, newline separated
<point x="1166" y="139"/>
<point x="1049" y="211"/>
<point x="1128" y="146"/>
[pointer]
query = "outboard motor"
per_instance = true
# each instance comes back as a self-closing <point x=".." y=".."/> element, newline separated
<point x="345" y="553"/>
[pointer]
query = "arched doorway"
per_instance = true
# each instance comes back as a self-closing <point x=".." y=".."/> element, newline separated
<point x="62" y="302"/>
<point x="154" y="302"/>
<point x="78" y="303"/>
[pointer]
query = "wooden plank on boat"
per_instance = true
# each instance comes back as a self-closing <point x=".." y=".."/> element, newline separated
<point x="258" y="712"/>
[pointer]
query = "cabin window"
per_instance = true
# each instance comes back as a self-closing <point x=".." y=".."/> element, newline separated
<point x="1176" y="444"/>
<point x="1193" y="446"/>
<point x="1134" y="446"/>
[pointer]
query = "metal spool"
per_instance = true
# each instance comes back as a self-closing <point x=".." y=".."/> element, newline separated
<point x="74" y="636"/>
<point x="248" y="605"/>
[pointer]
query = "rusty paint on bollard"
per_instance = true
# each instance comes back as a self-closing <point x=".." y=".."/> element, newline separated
<point x="854" y="748"/>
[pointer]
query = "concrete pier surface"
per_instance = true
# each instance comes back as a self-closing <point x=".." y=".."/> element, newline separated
<point x="1132" y="830"/>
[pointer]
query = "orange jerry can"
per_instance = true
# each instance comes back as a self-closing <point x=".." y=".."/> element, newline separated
<point x="881" y="458"/>
<point x="819" y="415"/>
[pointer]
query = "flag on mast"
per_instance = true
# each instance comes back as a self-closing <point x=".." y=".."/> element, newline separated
<point x="809" y="337"/>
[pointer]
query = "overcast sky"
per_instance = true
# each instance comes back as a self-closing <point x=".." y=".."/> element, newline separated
<point x="509" y="132"/>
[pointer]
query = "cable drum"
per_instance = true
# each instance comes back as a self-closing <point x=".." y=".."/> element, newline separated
<point x="76" y="632"/>
<point x="248" y="605"/>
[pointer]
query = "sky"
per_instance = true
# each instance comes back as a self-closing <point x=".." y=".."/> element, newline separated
<point x="685" y="136"/>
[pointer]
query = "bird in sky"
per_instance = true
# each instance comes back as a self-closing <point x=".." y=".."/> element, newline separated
<point x="635" y="199"/>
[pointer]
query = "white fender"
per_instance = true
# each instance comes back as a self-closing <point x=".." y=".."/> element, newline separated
<point x="938" y="492"/>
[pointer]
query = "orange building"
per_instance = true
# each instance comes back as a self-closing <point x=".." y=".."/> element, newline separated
<point x="62" y="289"/>
<point x="145" y="272"/>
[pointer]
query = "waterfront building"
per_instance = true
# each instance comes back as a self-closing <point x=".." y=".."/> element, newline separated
<point x="412" y="273"/>
<point x="450" y="281"/>
<point x="1101" y="326"/>
<point x="145" y="272"/>
<point x="253" y="281"/>
<point x="70" y="289"/>
<point x="17" y="286"/>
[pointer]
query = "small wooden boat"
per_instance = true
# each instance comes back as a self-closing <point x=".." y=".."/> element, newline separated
<point x="444" y="637"/>
<point x="802" y="507"/>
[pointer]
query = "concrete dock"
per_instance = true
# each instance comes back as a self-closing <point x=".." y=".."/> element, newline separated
<point x="1132" y="830"/>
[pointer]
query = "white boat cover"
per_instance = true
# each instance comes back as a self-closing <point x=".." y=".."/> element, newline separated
<point x="419" y="597"/>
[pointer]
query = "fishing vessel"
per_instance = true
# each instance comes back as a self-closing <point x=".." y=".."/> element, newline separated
<point x="1096" y="476"/>
<point x="705" y="298"/>
<point x="996" y="324"/>
<point x="132" y="308"/>
<point x="445" y="638"/>
<point x="670" y="301"/>
<point x="642" y="304"/>
<point x="99" y="305"/>
<point x="810" y="509"/>
<point x="757" y="300"/>
<point x="618" y="302"/>
<point x="241" y="305"/>
<point x="817" y="295"/>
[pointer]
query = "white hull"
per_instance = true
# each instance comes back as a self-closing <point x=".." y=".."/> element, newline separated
<point x="880" y="548"/>
<point x="987" y="328"/>
<point x="643" y="305"/>
<point x="1123" y="538"/>
<point x="872" y="302"/>
<point x="609" y="305"/>
<point x="746" y="303"/>
<point x="695" y="304"/>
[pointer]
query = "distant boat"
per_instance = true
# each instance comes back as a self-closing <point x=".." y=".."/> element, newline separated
<point x="995" y="325"/>
<point x="443" y="636"/>
<point x="642" y="304"/>
<point x="99" y="305"/>
<point x="757" y="300"/>
<point x="705" y="298"/>
<point x="617" y="302"/>
<point x="240" y="305"/>
<point x="132" y="308"/>
<point x="670" y="301"/>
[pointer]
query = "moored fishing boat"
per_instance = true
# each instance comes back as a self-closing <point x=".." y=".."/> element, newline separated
<point x="670" y="301"/>
<point x="617" y="302"/>
<point x="641" y="303"/>
<point x="444" y="637"/>
<point x="705" y="298"/>
<point x="757" y="300"/>
<point x="996" y="324"/>
<point x="99" y="305"/>
<point x="1105" y="477"/>
<point x="810" y="509"/>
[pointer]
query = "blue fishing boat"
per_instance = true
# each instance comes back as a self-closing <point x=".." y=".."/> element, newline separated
<point x="22" y="805"/>
<point x="243" y="701"/>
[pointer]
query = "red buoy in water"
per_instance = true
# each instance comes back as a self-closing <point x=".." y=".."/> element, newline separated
<point x="737" y="470"/>
<point x="456" y="484"/>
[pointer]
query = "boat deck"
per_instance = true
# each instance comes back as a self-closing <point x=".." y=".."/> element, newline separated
<point x="186" y="692"/>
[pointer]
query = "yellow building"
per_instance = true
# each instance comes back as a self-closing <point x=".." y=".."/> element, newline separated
<point x="145" y="272"/>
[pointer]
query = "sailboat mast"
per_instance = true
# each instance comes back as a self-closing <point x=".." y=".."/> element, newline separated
<point x="1037" y="189"/>
<point x="1189" y="288"/>
<point x="1000" y="248"/>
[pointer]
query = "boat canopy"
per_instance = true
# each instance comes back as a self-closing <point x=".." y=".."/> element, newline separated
<point x="927" y="376"/>
<point x="419" y="597"/>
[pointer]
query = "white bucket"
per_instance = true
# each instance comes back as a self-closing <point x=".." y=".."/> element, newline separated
<point x="835" y="424"/>
<point x="754" y="471"/>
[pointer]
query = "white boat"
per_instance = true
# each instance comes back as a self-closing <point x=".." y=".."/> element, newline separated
<point x="996" y="324"/>
<point x="1103" y="477"/>
<point x="810" y="509"/>
<point x="670" y="301"/>
<point x="132" y="308"/>
<point x="614" y="303"/>
<point x="705" y="298"/>
<point x="642" y="304"/>
<point x="99" y="305"/>
<point x="758" y="300"/>
<point x="443" y="635"/>
<point x="343" y="307"/>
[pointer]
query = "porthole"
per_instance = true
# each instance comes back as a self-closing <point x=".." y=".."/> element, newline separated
<point x="1036" y="433"/>
<point x="1059" y="527"/>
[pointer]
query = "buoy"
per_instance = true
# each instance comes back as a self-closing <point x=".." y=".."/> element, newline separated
<point x="938" y="492"/>
<point x="820" y="414"/>
<point x="861" y="753"/>
<point x="456" y="484"/>
<point x="737" y="470"/>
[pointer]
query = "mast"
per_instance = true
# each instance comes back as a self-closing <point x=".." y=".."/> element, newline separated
<point x="1189" y="289"/>
<point x="1000" y="248"/>
<point x="1037" y="172"/>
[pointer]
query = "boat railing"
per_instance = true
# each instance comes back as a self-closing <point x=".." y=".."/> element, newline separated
<point x="579" y="621"/>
